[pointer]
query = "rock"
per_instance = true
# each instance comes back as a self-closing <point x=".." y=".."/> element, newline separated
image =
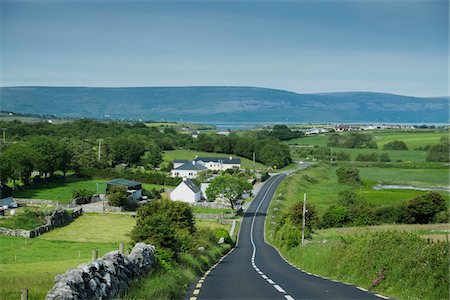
<point x="201" y="249"/>
<point x="221" y="241"/>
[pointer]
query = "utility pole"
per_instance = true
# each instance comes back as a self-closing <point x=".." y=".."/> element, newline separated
<point x="254" y="164"/>
<point x="304" y="219"/>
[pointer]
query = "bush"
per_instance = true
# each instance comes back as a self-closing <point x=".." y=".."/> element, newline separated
<point x="439" y="153"/>
<point x="166" y="224"/>
<point x="367" y="157"/>
<point x="335" y="216"/>
<point x="117" y="196"/>
<point x="342" y="156"/>
<point x="352" y="140"/>
<point x="395" y="145"/>
<point x="384" y="157"/>
<point x="422" y="209"/>
<point x="348" y="175"/>
<point x="82" y="196"/>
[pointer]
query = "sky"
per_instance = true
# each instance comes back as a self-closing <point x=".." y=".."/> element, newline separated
<point x="393" y="46"/>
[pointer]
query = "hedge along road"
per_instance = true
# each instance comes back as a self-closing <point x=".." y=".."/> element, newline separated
<point x="255" y="270"/>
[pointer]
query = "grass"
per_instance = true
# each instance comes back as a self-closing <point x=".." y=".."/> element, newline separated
<point x="416" y="177"/>
<point x="61" y="190"/>
<point x="320" y="184"/>
<point x="33" y="263"/>
<point x="413" y="268"/>
<point x="190" y="154"/>
<point x="413" y="139"/>
<point x="28" y="218"/>
<point x="92" y="227"/>
<point x="206" y="210"/>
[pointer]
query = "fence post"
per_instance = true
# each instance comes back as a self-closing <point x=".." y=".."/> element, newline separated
<point x="94" y="254"/>
<point x="24" y="294"/>
<point x="121" y="248"/>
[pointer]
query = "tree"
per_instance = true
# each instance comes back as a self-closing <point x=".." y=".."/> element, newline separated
<point x="422" y="209"/>
<point x="50" y="154"/>
<point x="153" y="156"/>
<point x="275" y="154"/>
<point x="126" y="150"/>
<point x="395" y="145"/>
<point x="348" y="175"/>
<point x="117" y="196"/>
<point x="384" y="157"/>
<point x="228" y="187"/>
<point x="439" y="153"/>
<point x="342" y="156"/>
<point x="166" y="224"/>
<point x="18" y="162"/>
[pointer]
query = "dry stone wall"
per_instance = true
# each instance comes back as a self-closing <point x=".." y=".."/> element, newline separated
<point x="105" y="277"/>
<point x="57" y="218"/>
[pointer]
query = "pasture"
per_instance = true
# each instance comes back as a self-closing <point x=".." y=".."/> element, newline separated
<point x="33" y="263"/>
<point x="61" y="190"/>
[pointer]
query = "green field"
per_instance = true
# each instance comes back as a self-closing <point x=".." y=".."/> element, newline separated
<point x="415" y="177"/>
<point x="33" y="263"/>
<point x="190" y="154"/>
<point x="412" y="139"/>
<point x="92" y="227"/>
<point x="324" y="192"/>
<point x="61" y="190"/>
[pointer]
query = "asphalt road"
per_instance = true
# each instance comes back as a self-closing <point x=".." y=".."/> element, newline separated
<point x="255" y="270"/>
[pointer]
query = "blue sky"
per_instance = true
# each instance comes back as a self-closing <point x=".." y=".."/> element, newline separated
<point x="398" y="47"/>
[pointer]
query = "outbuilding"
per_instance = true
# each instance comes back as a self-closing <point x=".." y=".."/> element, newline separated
<point x="186" y="191"/>
<point x="6" y="195"/>
<point x="134" y="188"/>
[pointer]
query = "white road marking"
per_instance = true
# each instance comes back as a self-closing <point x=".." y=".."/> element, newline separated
<point x="362" y="289"/>
<point x="278" y="288"/>
<point x="288" y="297"/>
<point x="381" y="296"/>
<point x="270" y="281"/>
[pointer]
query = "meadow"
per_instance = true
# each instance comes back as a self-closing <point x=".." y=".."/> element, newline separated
<point x="413" y="140"/>
<point x="170" y="156"/>
<point x="320" y="184"/>
<point x="61" y="190"/>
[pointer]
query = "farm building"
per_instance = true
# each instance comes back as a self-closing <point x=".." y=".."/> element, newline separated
<point x="134" y="188"/>
<point x="186" y="191"/>
<point x="6" y="195"/>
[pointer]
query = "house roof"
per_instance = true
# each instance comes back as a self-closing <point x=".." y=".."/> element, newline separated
<point x="5" y="191"/>
<point x="123" y="182"/>
<point x="181" y="161"/>
<point x="223" y="160"/>
<point x="192" y="185"/>
<point x="191" y="167"/>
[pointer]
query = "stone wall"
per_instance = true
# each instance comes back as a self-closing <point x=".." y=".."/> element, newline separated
<point x="105" y="277"/>
<point x="58" y="218"/>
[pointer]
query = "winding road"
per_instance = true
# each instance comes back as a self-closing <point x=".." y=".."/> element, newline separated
<point x="255" y="270"/>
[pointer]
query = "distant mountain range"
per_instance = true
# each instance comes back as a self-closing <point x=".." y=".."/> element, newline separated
<point x="222" y="104"/>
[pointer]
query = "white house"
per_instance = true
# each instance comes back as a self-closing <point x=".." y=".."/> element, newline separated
<point x="6" y="195"/>
<point x="186" y="191"/>
<point x="187" y="170"/>
<point x="219" y="163"/>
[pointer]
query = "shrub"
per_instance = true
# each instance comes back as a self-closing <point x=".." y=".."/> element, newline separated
<point x="422" y="209"/>
<point x="166" y="224"/>
<point x="352" y="140"/>
<point x="367" y="157"/>
<point x="335" y="216"/>
<point x="117" y="196"/>
<point x="82" y="196"/>
<point x="395" y="145"/>
<point x="342" y="156"/>
<point x="439" y="153"/>
<point x="384" y="157"/>
<point x="348" y="175"/>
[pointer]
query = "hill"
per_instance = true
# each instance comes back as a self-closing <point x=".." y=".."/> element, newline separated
<point x="222" y="104"/>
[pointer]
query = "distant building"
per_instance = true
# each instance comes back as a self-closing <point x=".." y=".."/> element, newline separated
<point x="187" y="170"/>
<point x="6" y="195"/>
<point x="186" y="191"/>
<point x="219" y="163"/>
<point x="134" y="188"/>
